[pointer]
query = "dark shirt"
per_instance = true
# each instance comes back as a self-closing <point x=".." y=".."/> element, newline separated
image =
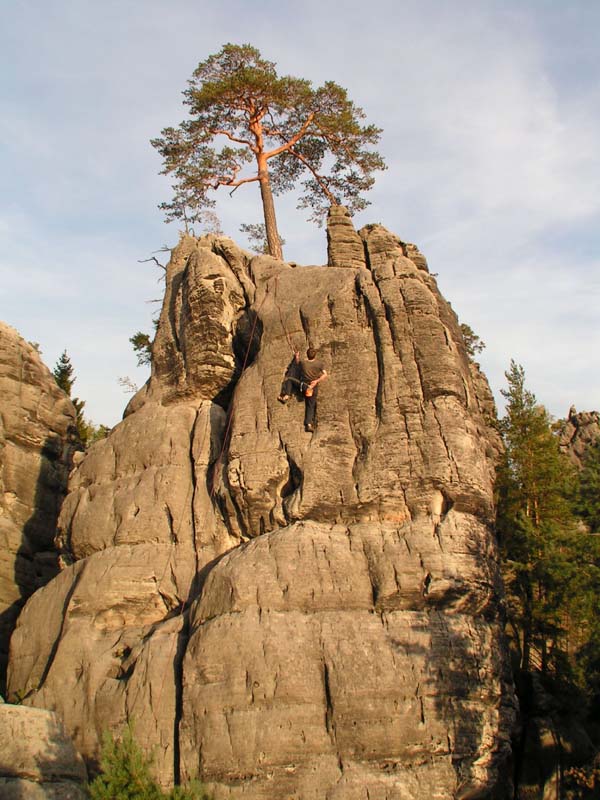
<point x="311" y="370"/>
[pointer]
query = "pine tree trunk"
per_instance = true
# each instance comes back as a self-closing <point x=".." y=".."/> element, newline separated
<point x="266" y="194"/>
<point x="527" y="628"/>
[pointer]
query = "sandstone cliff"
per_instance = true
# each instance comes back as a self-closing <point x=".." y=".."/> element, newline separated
<point x="288" y="614"/>
<point x="37" y="435"/>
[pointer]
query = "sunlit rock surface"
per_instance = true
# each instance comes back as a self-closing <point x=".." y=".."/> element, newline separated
<point x="287" y="614"/>
<point x="577" y="433"/>
<point x="37" y="758"/>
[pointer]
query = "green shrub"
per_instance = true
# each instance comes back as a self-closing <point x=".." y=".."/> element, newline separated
<point x="126" y="775"/>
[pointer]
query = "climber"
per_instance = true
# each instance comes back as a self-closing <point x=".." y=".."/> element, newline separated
<point x="313" y="372"/>
<point x="302" y="376"/>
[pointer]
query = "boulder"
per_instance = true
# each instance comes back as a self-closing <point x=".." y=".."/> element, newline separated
<point x="282" y="613"/>
<point x="38" y="760"/>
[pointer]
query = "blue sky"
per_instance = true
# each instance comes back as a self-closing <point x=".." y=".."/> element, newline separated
<point x="491" y="120"/>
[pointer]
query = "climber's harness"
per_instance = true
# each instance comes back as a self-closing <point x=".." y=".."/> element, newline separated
<point x="305" y="388"/>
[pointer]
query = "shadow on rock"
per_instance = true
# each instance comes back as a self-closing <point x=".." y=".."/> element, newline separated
<point x="36" y="560"/>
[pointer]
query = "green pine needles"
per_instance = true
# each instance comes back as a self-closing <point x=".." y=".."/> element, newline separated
<point x="126" y="775"/>
<point x="247" y="124"/>
<point x="551" y="563"/>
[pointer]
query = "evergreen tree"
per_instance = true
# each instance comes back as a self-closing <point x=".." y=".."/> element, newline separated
<point x="287" y="130"/>
<point x="125" y="775"/>
<point x="142" y="346"/>
<point x="587" y="495"/>
<point x="63" y="375"/>
<point x="473" y="343"/>
<point x="538" y="533"/>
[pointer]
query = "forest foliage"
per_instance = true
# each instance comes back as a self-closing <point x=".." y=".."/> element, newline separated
<point x="549" y="532"/>
<point x="125" y="774"/>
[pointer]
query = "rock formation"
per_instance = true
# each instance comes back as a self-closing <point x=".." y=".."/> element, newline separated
<point x="37" y="759"/>
<point x="37" y="425"/>
<point x="288" y="614"/>
<point x="577" y="433"/>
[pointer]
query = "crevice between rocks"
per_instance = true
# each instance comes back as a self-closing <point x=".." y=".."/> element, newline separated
<point x="194" y="481"/>
<point x="413" y="341"/>
<point x="375" y="327"/>
<point x="183" y="638"/>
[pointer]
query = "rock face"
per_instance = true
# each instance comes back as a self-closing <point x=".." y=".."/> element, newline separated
<point x="577" y="433"/>
<point x="37" y="759"/>
<point x="288" y="614"/>
<point x="37" y="425"/>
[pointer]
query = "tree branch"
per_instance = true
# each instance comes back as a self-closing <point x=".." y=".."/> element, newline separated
<point x="317" y="177"/>
<point x="152" y="258"/>
<point x="232" y="182"/>
<point x="291" y="142"/>
<point x="233" y="138"/>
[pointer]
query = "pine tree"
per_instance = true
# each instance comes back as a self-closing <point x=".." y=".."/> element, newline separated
<point x="125" y="774"/>
<point x="142" y="347"/>
<point x="587" y="495"/>
<point x="537" y="529"/>
<point x="249" y="125"/>
<point x="63" y="375"/>
<point x="472" y="341"/>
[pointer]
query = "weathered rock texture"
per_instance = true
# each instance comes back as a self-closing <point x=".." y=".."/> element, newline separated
<point x="577" y="433"/>
<point x="37" y="432"/>
<point x="286" y="614"/>
<point x="37" y="759"/>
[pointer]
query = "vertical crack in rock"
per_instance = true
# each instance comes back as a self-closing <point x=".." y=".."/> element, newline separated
<point x="329" y="720"/>
<point x="292" y="486"/>
<point x="450" y="454"/>
<point x="183" y="639"/>
<point x="413" y="341"/>
<point x="172" y="531"/>
<point x="373" y="315"/>
<point x="194" y="480"/>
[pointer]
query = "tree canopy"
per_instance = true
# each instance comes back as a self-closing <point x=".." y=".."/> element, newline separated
<point x="551" y="563"/>
<point x="63" y="373"/>
<point x="142" y="346"/>
<point x="587" y="496"/>
<point x="126" y="774"/>
<point x="472" y="341"/>
<point x="247" y="124"/>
